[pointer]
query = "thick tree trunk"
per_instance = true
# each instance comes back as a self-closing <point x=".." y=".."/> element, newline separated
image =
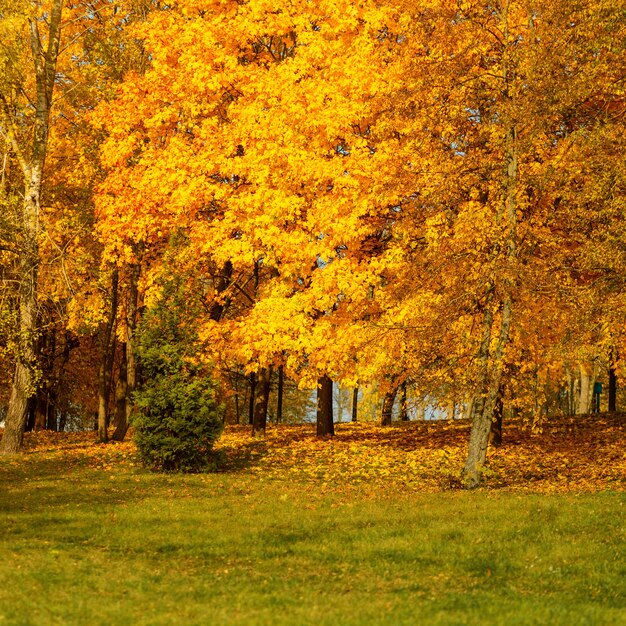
<point x="279" y="394"/>
<point x="17" y="413"/>
<point x="492" y="360"/>
<point x="485" y="406"/>
<point x="261" y="401"/>
<point x="325" y="422"/>
<point x="355" y="404"/>
<point x="32" y="159"/>
<point x="387" y="410"/>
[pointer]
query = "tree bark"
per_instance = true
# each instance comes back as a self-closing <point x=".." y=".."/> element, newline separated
<point x="251" y="399"/>
<point x="485" y="406"/>
<point x="222" y="283"/>
<point x="355" y="404"/>
<point x="131" y="349"/>
<point x="121" y="388"/>
<point x="325" y="423"/>
<point x="279" y="394"/>
<point x="495" y="436"/>
<point x="25" y="381"/>
<point x="261" y="401"/>
<point x="387" y="410"/>
<point x="586" y="389"/>
<point x="404" y="405"/>
<point x="612" y="385"/>
<point x="493" y="363"/>
<point x="106" y="362"/>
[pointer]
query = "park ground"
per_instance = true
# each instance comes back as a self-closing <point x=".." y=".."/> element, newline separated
<point x="367" y="528"/>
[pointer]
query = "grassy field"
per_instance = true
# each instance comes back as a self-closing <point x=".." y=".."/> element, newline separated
<point x="87" y="537"/>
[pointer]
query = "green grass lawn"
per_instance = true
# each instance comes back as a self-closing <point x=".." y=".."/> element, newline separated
<point x="85" y="546"/>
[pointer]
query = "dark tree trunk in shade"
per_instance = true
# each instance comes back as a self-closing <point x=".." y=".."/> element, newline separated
<point x="120" y="391"/>
<point x="30" y="415"/>
<point x="251" y="399"/>
<point x="41" y="411"/>
<point x="222" y="283"/>
<point x="495" y="436"/>
<point x="325" y="423"/>
<point x="355" y="404"/>
<point x="131" y="348"/>
<point x="261" y="401"/>
<point x="237" y="409"/>
<point x="106" y="362"/>
<point x="388" y="401"/>
<point x="612" y="385"/>
<point x="404" y="406"/>
<point x="279" y="394"/>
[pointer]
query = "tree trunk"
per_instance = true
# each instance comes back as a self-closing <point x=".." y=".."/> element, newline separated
<point x="492" y="363"/>
<point x="237" y="410"/>
<point x="355" y="404"/>
<point x="612" y="386"/>
<point x="495" y="436"/>
<point x="586" y="389"/>
<point x="251" y="399"/>
<point x="222" y="283"/>
<point x="387" y="411"/>
<point x="121" y="389"/>
<point x="41" y="412"/>
<point x="325" y="423"/>
<point x="106" y="362"/>
<point x="279" y="394"/>
<point x="32" y="159"/>
<point x="131" y="349"/>
<point x="485" y="406"/>
<point x="261" y="401"/>
<point x="404" y="405"/>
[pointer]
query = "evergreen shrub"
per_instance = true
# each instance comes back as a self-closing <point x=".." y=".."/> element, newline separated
<point x="177" y="417"/>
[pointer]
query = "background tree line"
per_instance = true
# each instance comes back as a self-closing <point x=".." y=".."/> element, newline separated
<point x="422" y="198"/>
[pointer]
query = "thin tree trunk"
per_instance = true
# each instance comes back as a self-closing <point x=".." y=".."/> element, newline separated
<point x="355" y="404"/>
<point x="32" y="160"/>
<point x="387" y="411"/>
<point x="222" y="283"/>
<point x="261" y="401"/>
<point x="612" y="385"/>
<point x="41" y="411"/>
<point x="106" y="361"/>
<point x="237" y="411"/>
<point x="325" y="423"/>
<point x="404" y="405"/>
<point x="279" y="394"/>
<point x="121" y="390"/>
<point x="586" y="389"/>
<point x="495" y="436"/>
<point x="131" y="349"/>
<point x="253" y="385"/>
